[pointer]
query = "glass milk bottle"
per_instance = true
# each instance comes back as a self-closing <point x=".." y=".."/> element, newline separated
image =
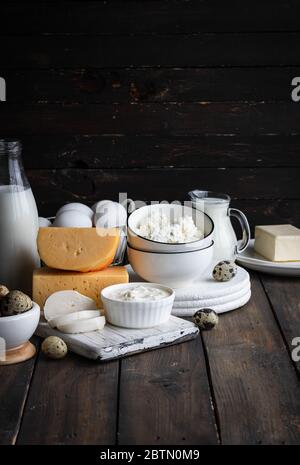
<point x="18" y="221"/>
<point x="226" y="245"/>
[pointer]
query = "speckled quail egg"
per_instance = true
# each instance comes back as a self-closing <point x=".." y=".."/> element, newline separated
<point x="54" y="347"/>
<point x="72" y="219"/>
<point x="80" y="207"/>
<point x="224" y="271"/>
<point x="15" y="302"/>
<point x="205" y="318"/>
<point x="109" y="214"/>
<point x="3" y="291"/>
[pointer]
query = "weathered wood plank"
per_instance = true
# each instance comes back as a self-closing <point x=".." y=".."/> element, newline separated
<point x="284" y="296"/>
<point x="255" y="385"/>
<point x="113" y="342"/>
<point x="251" y="189"/>
<point x="14" y="386"/>
<point x="259" y="211"/>
<point x="96" y="152"/>
<point x="151" y="16"/>
<point x="73" y="401"/>
<point x="149" y="85"/>
<point x="158" y="184"/>
<point x="165" y="398"/>
<point x="112" y="51"/>
<point x="152" y="118"/>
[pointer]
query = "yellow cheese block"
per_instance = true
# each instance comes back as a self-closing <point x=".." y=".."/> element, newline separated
<point x="78" y="249"/>
<point x="47" y="280"/>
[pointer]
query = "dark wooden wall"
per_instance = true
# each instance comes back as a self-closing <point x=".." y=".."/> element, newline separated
<point x="155" y="98"/>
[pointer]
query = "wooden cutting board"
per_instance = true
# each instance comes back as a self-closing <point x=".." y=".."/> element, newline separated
<point x="113" y="342"/>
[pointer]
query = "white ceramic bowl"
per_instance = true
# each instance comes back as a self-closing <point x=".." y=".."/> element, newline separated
<point x="171" y="269"/>
<point x="18" y="329"/>
<point x="174" y="211"/>
<point x="136" y="314"/>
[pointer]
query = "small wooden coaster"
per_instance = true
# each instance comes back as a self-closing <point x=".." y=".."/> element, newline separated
<point x="20" y="354"/>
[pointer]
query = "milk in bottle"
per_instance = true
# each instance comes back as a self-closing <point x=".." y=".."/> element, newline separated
<point x="18" y="221"/>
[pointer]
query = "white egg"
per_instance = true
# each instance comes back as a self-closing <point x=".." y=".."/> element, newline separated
<point x="110" y="215"/>
<point x="72" y="219"/>
<point x="80" y="207"/>
<point x="97" y="206"/>
<point x="44" y="222"/>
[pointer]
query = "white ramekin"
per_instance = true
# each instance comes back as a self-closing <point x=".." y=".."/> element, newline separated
<point x="136" y="314"/>
<point x="18" y="329"/>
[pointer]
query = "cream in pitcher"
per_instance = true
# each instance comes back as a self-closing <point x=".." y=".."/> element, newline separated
<point x="226" y="245"/>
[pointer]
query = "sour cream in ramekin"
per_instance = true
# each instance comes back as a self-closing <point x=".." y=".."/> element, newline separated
<point x="137" y="305"/>
<point x="140" y="293"/>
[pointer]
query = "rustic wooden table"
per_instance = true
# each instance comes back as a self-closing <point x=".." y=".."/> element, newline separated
<point x="236" y="384"/>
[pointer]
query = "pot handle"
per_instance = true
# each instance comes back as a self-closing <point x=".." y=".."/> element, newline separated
<point x="241" y="217"/>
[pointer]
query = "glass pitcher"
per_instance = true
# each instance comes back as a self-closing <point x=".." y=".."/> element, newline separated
<point x="18" y="221"/>
<point x="226" y="245"/>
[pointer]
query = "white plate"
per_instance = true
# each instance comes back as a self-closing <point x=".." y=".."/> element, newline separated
<point x="252" y="260"/>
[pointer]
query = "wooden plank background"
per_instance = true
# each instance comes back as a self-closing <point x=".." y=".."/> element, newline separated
<point x="155" y="98"/>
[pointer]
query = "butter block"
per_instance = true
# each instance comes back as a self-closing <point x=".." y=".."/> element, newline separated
<point x="48" y="280"/>
<point x="78" y="249"/>
<point x="278" y="243"/>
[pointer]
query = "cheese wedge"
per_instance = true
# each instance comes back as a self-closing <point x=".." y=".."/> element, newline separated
<point x="46" y="281"/>
<point x="78" y="249"/>
<point x="278" y="243"/>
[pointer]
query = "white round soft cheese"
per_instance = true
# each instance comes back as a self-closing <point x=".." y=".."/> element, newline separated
<point x="63" y="302"/>
<point x="83" y="326"/>
<point x="74" y="316"/>
<point x="110" y="215"/>
<point x="80" y="207"/>
<point x="72" y="219"/>
<point x="44" y="222"/>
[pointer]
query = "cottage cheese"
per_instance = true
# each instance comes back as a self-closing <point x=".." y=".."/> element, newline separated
<point x="138" y="293"/>
<point x="158" y="227"/>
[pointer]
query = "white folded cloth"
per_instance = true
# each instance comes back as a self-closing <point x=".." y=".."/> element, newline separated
<point x="207" y="292"/>
<point x="232" y="305"/>
<point x="201" y="303"/>
<point x="208" y="288"/>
